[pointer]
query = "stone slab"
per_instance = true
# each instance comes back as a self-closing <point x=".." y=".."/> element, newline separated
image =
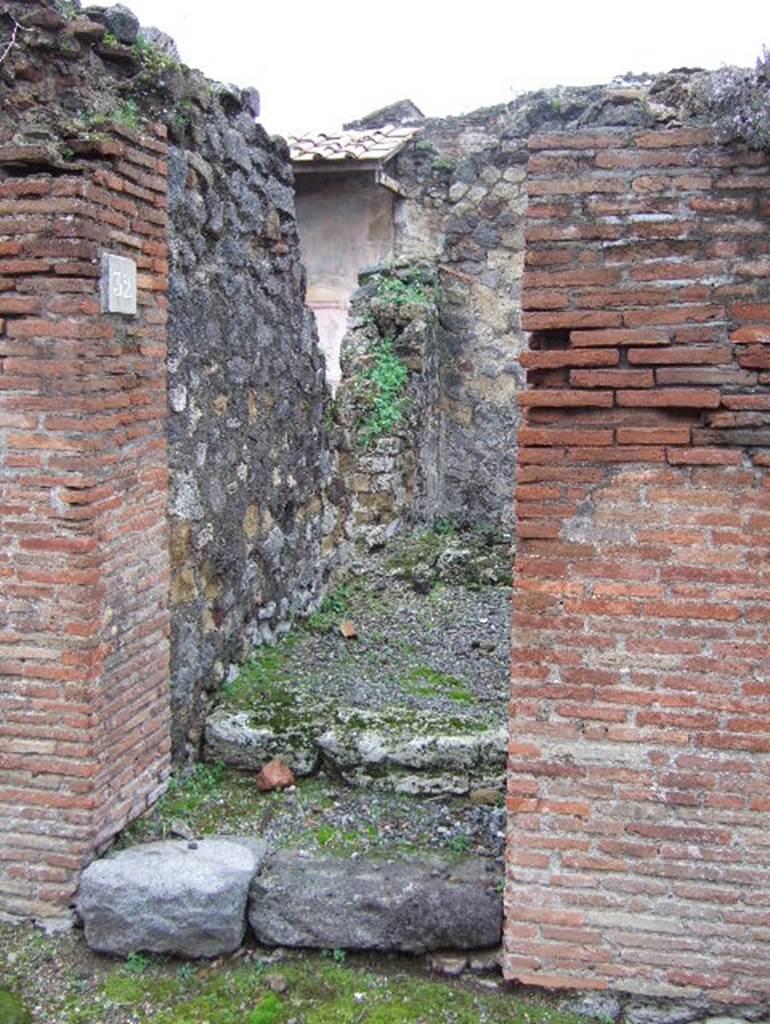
<point x="187" y="898"/>
<point x="408" y="906"/>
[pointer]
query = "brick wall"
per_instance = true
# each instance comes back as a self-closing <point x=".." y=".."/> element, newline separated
<point x="83" y="492"/>
<point x="639" y="782"/>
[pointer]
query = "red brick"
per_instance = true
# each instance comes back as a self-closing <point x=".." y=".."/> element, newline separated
<point x="653" y="435"/>
<point x="71" y="565"/>
<point x="754" y="358"/>
<point x="752" y="335"/>
<point x="574" y="186"/>
<point x="569" y="278"/>
<point x="673" y="315"/>
<point x="671" y="137"/>
<point x="573" y="140"/>
<point x="544" y="298"/>
<point x="693" y="398"/>
<point x="619" y="454"/>
<point x="582" y="339"/>
<point x="577" y="319"/>
<point x="533" y="436"/>
<point x="751" y="311"/>
<point x="704" y="457"/>
<point x="542" y="360"/>
<point x="611" y="378"/>
<point x="565" y="397"/>
<point x="723" y="375"/>
<point x="713" y="355"/>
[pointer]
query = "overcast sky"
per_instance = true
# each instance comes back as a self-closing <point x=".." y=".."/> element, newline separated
<point x="317" y="64"/>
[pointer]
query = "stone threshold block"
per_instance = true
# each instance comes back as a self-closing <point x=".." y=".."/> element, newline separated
<point x="186" y="898"/>
<point x="405" y="905"/>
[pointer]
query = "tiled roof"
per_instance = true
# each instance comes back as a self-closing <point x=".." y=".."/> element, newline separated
<point x="379" y="144"/>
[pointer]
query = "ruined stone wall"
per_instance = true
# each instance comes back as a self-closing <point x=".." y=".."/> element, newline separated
<point x="246" y="395"/>
<point x="464" y="209"/>
<point x="386" y="480"/>
<point x="465" y="206"/>
<point x="640" y="716"/>
<point x="133" y="513"/>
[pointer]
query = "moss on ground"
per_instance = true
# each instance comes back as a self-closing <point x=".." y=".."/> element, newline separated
<point x="209" y="799"/>
<point x="67" y="984"/>
<point x="427" y="682"/>
<point x="474" y="558"/>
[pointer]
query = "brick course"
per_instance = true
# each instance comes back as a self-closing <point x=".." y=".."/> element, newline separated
<point x="638" y="854"/>
<point x="83" y="494"/>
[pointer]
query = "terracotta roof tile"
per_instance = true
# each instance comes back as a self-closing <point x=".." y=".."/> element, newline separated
<point x="354" y="144"/>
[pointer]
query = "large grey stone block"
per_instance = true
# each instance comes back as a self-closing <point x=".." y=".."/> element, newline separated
<point x="400" y="905"/>
<point x="180" y="897"/>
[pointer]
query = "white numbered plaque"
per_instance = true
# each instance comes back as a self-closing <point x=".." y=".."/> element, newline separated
<point x="118" y="284"/>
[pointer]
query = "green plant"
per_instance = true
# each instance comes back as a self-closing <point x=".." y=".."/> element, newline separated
<point x="136" y="964"/>
<point x="460" y="844"/>
<point x="152" y="61"/>
<point x="386" y="381"/>
<point x="110" y="40"/>
<point x="126" y="113"/>
<point x="324" y="834"/>
<point x="12" y="1010"/>
<point x="333" y="607"/>
<point x="267" y="1012"/>
<point x="443" y="163"/>
<point x="409" y="289"/>
<point x="425" y="681"/>
<point x="339" y="956"/>
<point x="329" y="417"/>
<point x="182" y="118"/>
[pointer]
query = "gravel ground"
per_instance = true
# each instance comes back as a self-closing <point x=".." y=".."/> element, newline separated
<point x="446" y="652"/>
<point x="317" y="814"/>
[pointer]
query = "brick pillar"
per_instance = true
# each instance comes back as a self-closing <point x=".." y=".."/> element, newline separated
<point x="639" y="769"/>
<point x="84" y="658"/>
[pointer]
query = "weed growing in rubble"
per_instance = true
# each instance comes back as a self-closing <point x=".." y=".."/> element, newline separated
<point x="153" y="61"/>
<point x="386" y="381"/>
<point x="410" y="290"/>
<point x="127" y="114"/>
<point x="738" y="101"/>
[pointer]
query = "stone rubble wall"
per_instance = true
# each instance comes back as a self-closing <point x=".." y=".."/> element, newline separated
<point x="247" y="452"/>
<point x="640" y="715"/>
<point x="465" y="210"/>
<point x="390" y="483"/>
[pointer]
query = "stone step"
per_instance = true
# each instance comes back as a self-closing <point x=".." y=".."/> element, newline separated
<point x="193" y="898"/>
<point x="391" y="905"/>
<point x="401" y="750"/>
<point x="187" y="898"/>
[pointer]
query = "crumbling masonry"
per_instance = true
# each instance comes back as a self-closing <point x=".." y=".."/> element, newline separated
<point x="170" y="493"/>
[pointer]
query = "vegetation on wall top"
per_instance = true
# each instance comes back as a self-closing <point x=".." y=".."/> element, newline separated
<point x="738" y="103"/>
